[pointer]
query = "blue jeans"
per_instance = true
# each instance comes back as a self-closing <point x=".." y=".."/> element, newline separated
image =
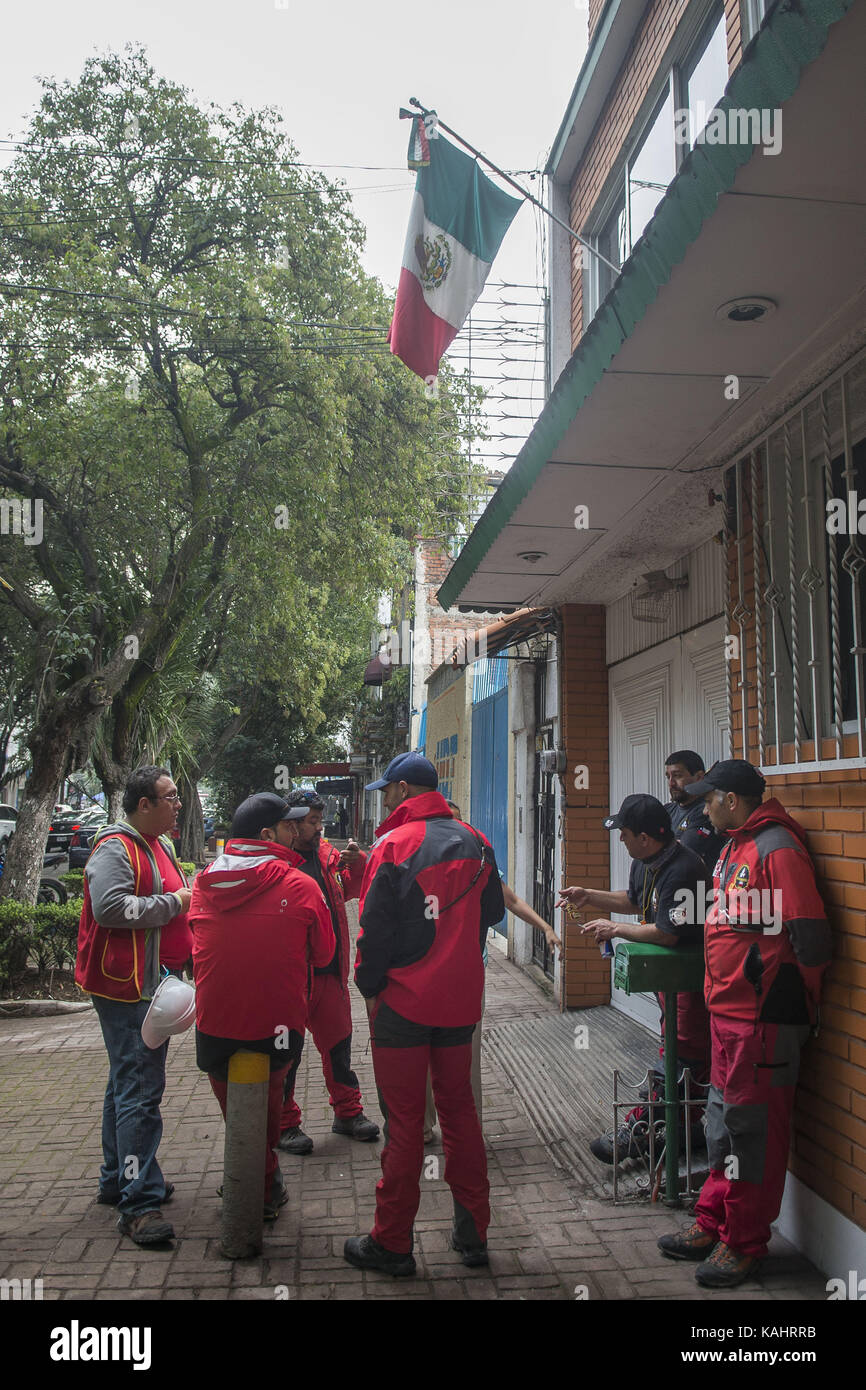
<point x="131" y="1122"/>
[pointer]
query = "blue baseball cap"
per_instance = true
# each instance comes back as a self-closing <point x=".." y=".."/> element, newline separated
<point x="413" y="768"/>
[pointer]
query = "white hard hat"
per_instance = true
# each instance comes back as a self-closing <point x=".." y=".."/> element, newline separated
<point x="172" y="1010"/>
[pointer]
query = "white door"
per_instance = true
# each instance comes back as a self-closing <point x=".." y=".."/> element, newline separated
<point x="670" y="697"/>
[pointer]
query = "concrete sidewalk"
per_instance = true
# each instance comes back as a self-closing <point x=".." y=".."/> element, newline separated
<point x="549" y="1239"/>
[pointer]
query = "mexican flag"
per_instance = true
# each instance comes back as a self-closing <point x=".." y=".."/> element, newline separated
<point x="456" y="226"/>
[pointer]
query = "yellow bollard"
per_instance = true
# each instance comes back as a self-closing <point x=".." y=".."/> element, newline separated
<point x="244" y="1161"/>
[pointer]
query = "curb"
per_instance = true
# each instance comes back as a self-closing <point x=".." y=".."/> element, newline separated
<point x="39" y="1008"/>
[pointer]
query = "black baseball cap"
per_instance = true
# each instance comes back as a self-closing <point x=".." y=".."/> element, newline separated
<point x="642" y="815"/>
<point x="733" y="775"/>
<point x="259" y="810"/>
<point x="413" y="768"/>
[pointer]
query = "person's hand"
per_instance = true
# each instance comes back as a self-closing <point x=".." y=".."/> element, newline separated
<point x="553" y="941"/>
<point x="185" y="895"/>
<point x="575" y="897"/>
<point x="601" y="929"/>
<point x="350" y="854"/>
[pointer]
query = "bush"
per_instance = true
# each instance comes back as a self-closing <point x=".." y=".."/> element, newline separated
<point x="73" y="881"/>
<point x="189" y="869"/>
<point x="48" y="931"/>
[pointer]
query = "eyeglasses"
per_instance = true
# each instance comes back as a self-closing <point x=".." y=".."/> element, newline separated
<point x="172" y="796"/>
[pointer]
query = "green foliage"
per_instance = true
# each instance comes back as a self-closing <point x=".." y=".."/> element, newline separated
<point x="73" y="881"/>
<point x="189" y="869"/>
<point x="47" y="932"/>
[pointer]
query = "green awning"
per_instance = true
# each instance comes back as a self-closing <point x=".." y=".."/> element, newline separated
<point x="791" y="37"/>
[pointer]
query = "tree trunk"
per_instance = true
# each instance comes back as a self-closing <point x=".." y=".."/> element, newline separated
<point x="23" y="867"/>
<point x="191" y="821"/>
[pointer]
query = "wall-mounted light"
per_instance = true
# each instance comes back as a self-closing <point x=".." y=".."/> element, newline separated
<point x="752" y="308"/>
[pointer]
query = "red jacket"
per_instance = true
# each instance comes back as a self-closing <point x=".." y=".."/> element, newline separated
<point x="422" y="932"/>
<point x="258" y="924"/>
<point x="131" y="923"/>
<point x="767" y="938"/>
<point x="340" y="886"/>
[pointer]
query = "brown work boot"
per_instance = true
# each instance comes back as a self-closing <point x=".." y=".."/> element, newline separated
<point x="725" y="1268"/>
<point x="692" y="1244"/>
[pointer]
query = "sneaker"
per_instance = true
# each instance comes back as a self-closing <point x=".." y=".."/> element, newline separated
<point x="111" y="1199"/>
<point x="473" y="1256"/>
<point x="278" y="1198"/>
<point x="692" y="1244"/>
<point x="365" y="1253"/>
<point x="295" y="1141"/>
<point x="150" y="1228"/>
<point x="628" y="1142"/>
<point x="725" y="1268"/>
<point x="356" y="1127"/>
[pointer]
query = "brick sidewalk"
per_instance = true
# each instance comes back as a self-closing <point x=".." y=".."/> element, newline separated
<point x="547" y="1239"/>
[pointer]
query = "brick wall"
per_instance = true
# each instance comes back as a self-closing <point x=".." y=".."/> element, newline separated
<point x="444" y="627"/>
<point x="634" y="80"/>
<point x="829" y="1133"/>
<point x="586" y="977"/>
<point x="595" y="9"/>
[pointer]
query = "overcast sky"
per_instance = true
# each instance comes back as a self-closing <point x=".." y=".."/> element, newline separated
<point x="499" y="71"/>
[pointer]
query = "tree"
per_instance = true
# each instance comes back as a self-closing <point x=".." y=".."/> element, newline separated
<point x="195" y="392"/>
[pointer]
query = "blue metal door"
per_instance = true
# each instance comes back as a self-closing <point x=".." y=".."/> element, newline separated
<point x="489" y="810"/>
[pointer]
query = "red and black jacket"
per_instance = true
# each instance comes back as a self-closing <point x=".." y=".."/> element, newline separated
<point x="430" y="892"/>
<point x="767" y="940"/>
<point x="322" y="864"/>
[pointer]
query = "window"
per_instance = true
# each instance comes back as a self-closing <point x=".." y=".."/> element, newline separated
<point x="752" y="14"/>
<point x="804" y="631"/>
<point x="651" y="163"/>
<point x="651" y="169"/>
<point x="704" y="77"/>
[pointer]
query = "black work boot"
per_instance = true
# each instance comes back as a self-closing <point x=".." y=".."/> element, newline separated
<point x="356" y="1127"/>
<point x="465" y="1239"/>
<point x="295" y="1141"/>
<point x="365" y="1253"/>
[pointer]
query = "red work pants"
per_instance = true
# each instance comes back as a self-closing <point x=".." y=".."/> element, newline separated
<point x="754" y="1073"/>
<point x="275" y="1102"/>
<point x="401" y="1078"/>
<point x="330" y="1022"/>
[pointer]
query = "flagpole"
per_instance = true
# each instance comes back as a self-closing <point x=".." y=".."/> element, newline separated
<point x="426" y="111"/>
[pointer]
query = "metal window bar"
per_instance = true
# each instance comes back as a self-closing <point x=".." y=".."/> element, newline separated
<point x="811" y="581"/>
<point x="759" y="607"/>
<point x="852" y="562"/>
<point x="818" y="565"/>
<point x="792" y="595"/>
<point x="833" y="567"/>
<point x="741" y="616"/>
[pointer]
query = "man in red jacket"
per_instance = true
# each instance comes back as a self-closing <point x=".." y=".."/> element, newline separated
<point x="431" y="890"/>
<point x="767" y="945"/>
<point x="339" y="877"/>
<point x="134" y="927"/>
<point x="259" y="924"/>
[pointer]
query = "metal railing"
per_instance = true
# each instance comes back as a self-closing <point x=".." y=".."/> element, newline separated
<point x="797" y="594"/>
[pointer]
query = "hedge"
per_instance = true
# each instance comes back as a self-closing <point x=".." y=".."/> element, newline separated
<point x="73" y="881"/>
<point x="46" y="931"/>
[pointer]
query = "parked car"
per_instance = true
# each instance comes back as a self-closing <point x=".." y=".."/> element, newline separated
<point x="8" y="819"/>
<point x="62" y="828"/>
<point x="81" y="842"/>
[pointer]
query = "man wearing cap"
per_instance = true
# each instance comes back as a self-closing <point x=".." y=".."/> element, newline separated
<point x="338" y="875"/>
<point x="688" y="820"/>
<point x="767" y="945"/>
<point x="259" y="924"/>
<point x="666" y="888"/>
<point x="431" y="890"/>
<point x="134" y="927"/>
